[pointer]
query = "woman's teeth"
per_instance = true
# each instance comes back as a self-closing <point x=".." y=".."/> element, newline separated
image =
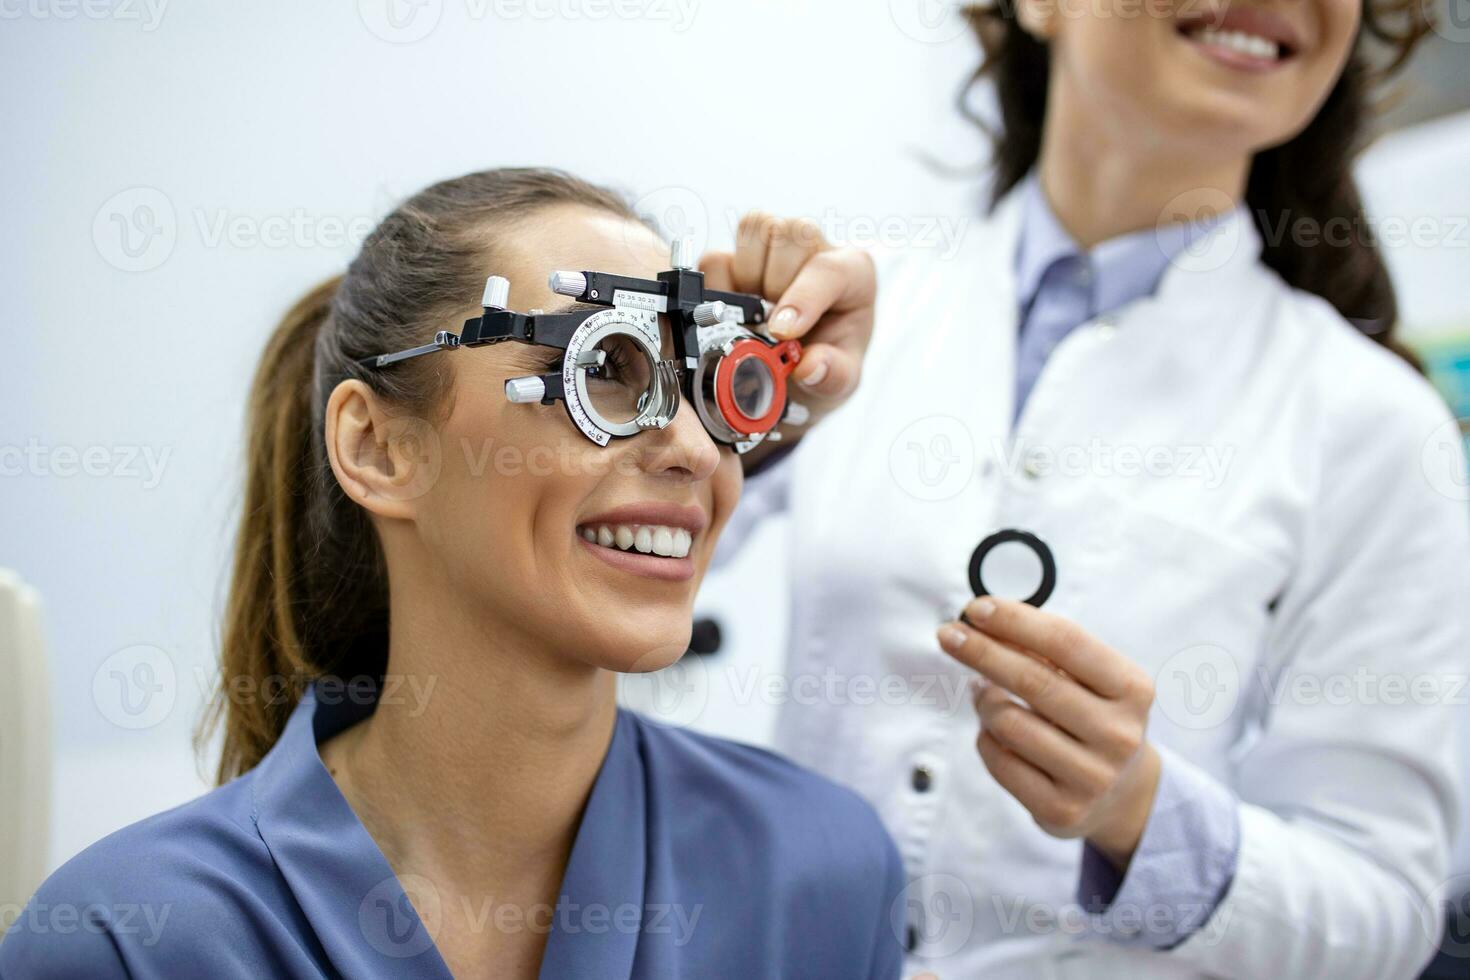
<point x="1251" y="44"/>
<point x="651" y="539"/>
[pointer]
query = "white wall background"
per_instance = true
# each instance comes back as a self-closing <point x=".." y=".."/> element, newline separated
<point x="176" y="175"/>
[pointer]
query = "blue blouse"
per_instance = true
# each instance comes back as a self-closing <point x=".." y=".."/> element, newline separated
<point x="696" y="857"/>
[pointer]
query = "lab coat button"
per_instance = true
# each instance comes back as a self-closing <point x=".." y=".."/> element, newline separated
<point x="1032" y="468"/>
<point x="921" y="779"/>
<point x="1107" y="328"/>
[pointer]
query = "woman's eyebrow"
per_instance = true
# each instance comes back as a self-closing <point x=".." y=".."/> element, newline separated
<point x="577" y="306"/>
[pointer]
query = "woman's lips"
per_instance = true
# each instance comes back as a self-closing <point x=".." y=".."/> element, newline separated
<point x="1248" y="39"/>
<point x="652" y="538"/>
<point x="638" y="563"/>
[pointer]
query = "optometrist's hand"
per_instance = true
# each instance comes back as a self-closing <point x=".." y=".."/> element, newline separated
<point x="822" y="295"/>
<point x="1075" y="753"/>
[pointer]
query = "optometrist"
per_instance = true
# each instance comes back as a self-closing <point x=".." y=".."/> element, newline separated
<point x="1224" y="747"/>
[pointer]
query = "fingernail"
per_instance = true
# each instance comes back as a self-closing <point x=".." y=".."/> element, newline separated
<point x="815" y="378"/>
<point x="784" y="321"/>
<point x="980" y="608"/>
<point x="951" y="638"/>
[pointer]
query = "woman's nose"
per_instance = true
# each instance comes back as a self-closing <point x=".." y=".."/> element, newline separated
<point x="682" y="449"/>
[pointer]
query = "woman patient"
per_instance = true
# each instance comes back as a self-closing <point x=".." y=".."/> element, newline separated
<point x="425" y="624"/>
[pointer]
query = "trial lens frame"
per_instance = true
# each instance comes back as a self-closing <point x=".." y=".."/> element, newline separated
<point x="712" y="336"/>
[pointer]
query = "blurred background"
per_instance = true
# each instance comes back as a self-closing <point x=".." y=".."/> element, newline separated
<point x="178" y="173"/>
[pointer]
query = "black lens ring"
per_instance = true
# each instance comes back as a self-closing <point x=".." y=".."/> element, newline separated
<point x="1038" y="546"/>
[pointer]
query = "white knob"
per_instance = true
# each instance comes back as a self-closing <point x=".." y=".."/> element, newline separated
<point x="497" y="292"/>
<point x="523" y="390"/>
<point x="710" y="313"/>
<point x="682" y="256"/>
<point x="796" y="414"/>
<point x="568" y="283"/>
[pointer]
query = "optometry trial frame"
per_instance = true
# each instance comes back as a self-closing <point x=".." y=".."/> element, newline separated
<point x="614" y="380"/>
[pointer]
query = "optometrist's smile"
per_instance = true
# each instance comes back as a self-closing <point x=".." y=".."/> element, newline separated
<point x="1251" y="39"/>
<point x="652" y="539"/>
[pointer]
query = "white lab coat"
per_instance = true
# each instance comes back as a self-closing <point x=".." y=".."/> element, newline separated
<point x="1245" y="496"/>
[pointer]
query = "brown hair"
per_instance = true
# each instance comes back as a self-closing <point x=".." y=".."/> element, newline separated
<point x="308" y="594"/>
<point x="1307" y="178"/>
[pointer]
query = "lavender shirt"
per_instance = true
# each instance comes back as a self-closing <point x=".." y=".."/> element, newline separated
<point x="1187" y="855"/>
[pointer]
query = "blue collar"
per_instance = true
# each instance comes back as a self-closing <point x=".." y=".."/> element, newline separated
<point x="1124" y="268"/>
<point x="357" y="905"/>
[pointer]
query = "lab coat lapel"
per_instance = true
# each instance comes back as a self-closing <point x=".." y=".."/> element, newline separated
<point x="599" y="914"/>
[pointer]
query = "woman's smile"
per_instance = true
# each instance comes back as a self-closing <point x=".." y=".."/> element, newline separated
<point x="652" y="539"/>
<point x="1249" y="39"/>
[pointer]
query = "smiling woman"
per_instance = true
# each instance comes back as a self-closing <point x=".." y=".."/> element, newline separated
<point x="498" y="814"/>
<point x="1287" y="86"/>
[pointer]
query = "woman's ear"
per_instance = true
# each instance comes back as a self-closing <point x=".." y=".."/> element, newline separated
<point x="383" y="462"/>
<point x="1038" y="18"/>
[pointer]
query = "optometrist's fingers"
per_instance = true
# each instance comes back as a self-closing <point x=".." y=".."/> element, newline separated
<point x="719" y="270"/>
<point x="791" y="244"/>
<point x="752" y="245"/>
<point x="826" y="372"/>
<point x="831" y="285"/>
<point x="1053" y="695"/>
<point x="1031" y="787"/>
<point x="1093" y="663"/>
<point x="1041" y="743"/>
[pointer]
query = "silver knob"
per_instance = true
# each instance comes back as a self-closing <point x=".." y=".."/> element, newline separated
<point x="682" y="256"/>
<point x="709" y="313"/>
<point x="497" y="292"/>
<point x="523" y="390"/>
<point x="568" y="283"/>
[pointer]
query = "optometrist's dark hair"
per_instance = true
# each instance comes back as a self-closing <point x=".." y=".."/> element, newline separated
<point x="1306" y="179"/>
<point x="308" y="595"/>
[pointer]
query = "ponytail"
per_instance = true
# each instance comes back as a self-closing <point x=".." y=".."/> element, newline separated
<point x="262" y="635"/>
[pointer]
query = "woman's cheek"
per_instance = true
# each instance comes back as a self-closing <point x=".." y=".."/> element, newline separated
<point x="728" y="484"/>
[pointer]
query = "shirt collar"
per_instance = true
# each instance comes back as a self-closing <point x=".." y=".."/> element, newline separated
<point x="358" y="907"/>
<point x="355" y="904"/>
<point x="1124" y="268"/>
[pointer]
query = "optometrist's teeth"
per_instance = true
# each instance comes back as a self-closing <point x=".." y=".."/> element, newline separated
<point x="589" y="534"/>
<point x="682" y="540"/>
<point x="623" y="537"/>
<point x="1251" y="44"/>
<point x="643" y="539"/>
<point x="663" y="541"/>
<point x="605" y="536"/>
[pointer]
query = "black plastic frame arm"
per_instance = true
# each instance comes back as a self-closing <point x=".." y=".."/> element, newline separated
<point x="546" y="329"/>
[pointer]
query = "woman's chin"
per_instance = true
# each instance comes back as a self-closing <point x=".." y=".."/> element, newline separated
<point x="640" y="652"/>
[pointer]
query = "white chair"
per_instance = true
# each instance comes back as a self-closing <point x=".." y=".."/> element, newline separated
<point x="25" y="745"/>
